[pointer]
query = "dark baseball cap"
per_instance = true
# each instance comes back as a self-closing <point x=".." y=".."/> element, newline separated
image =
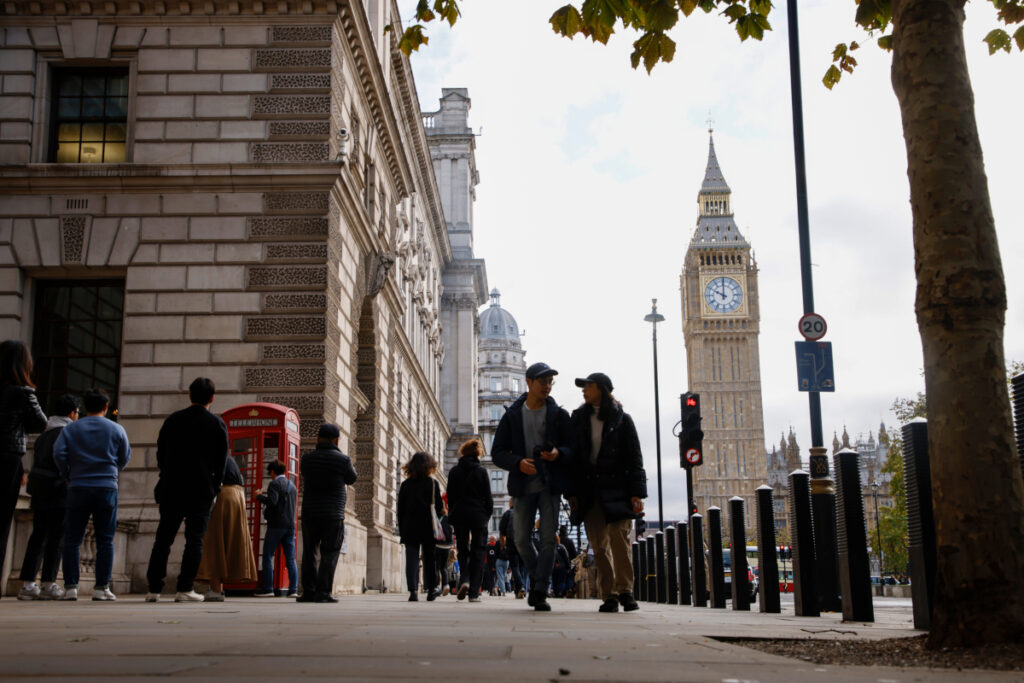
<point x="538" y="370"/>
<point x="328" y="432"/>
<point x="597" y="378"/>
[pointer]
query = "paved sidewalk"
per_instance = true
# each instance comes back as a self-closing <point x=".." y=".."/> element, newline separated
<point x="384" y="637"/>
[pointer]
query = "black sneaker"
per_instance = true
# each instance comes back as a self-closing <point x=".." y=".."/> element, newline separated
<point x="628" y="603"/>
<point x="308" y="596"/>
<point x="540" y="603"/>
<point x="326" y="597"/>
<point x="609" y="605"/>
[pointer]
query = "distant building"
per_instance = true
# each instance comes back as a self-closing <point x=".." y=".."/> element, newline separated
<point x="781" y="462"/>
<point x="721" y="323"/>
<point x="873" y="455"/>
<point x="502" y="379"/>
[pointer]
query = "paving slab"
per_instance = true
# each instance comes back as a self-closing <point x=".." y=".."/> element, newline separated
<point x="386" y="638"/>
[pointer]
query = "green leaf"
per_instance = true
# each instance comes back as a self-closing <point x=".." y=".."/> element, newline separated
<point x="448" y="9"/>
<point x="885" y="42"/>
<point x="599" y="18"/>
<point x="412" y="38"/>
<point x="566" y="21"/>
<point x="832" y="76"/>
<point x="839" y="52"/>
<point x="1011" y="13"/>
<point x="997" y="39"/>
<point x="661" y="16"/>
<point x="687" y="6"/>
<point x="735" y="12"/>
<point x="1018" y="37"/>
<point x="423" y="12"/>
<point x="652" y="47"/>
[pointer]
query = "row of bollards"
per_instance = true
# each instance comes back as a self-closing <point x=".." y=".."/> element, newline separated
<point x="675" y="566"/>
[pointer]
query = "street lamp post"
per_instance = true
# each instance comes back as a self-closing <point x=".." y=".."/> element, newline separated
<point x="878" y="529"/>
<point x="654" y="318"/>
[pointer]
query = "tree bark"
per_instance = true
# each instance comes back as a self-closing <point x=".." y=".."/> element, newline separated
<point x="977" y="488"/>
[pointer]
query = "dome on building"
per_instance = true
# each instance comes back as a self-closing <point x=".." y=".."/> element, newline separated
<point x="497" y="323"/>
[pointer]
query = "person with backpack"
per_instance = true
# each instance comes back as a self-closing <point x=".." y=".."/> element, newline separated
<point x="279" y="510"/>
<point x="49" y="494"/>
<point x="470" y="503"/>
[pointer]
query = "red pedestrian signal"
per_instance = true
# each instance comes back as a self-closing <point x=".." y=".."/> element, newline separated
<point x="691" y="437"/>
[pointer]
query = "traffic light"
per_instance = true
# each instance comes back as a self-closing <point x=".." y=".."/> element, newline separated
<point x="691" y="437"/>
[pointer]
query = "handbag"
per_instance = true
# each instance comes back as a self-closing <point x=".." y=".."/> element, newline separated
<point x="434" y="521"/>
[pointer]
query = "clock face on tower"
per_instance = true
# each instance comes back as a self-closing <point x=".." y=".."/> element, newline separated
<point x="723" y="295"/>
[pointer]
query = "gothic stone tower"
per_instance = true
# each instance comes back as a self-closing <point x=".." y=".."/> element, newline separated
<point x="720" y="327"/>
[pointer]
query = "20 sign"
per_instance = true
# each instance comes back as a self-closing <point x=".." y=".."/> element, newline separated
<point x="812" y="326"/>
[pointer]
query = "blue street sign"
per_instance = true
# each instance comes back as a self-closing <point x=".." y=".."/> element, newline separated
<point x="814" y="366"/>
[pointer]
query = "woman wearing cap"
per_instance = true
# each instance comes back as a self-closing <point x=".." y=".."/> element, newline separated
<point x="608" y="487"/>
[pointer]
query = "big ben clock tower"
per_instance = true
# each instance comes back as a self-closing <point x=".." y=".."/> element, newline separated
<point x="720" y="326"/>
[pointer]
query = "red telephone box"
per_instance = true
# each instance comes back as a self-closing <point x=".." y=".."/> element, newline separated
<point x="259" y="434"/>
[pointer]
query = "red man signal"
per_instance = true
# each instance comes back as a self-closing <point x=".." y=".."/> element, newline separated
<point x="691" y="437"/>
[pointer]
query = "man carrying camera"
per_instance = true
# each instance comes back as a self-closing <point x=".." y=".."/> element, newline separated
<point x="533" y="442"/>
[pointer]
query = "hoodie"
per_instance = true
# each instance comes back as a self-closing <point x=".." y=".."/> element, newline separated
<point x="469" y="494"/>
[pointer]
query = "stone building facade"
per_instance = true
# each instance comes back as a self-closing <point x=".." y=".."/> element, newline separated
<point x="233" y="189"/>
<point x="502" y="380"/>
<point x="721" y="322"/>
<point x="782" y="461"/>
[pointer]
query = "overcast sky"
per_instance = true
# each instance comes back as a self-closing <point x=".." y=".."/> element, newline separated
<point x="589" y="173"/>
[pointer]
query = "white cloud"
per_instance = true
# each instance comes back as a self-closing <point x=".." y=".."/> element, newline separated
<point x="589" y="177"/>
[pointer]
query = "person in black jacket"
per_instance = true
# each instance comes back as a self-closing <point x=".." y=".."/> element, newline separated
<point x="49" y="501"/>
<point x="279" y="511"/>
<point x="190" y="452"/>
<point x="470" y="504"/>
<point x="19" y="413"/>
<point x="416" y="495"/>
<point x="325" y="472"/>
<point x="609" y="485"/>
<point x="533" y="442"/>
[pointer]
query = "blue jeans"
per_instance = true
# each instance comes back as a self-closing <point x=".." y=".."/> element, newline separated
<point x="538" y="564"/>
<point x="101" y="505"/>
<point x="501" y="567"/>
<point x="286" y="539"/>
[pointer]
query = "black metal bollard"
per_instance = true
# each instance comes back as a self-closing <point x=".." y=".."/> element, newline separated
<point x="698" y="569"/>
<point x="917" y="473"/>
<point x="851" y="539"/>
<point x="805" y="592"/>
<point x="652" y="577"/>
<point x="715" y="551"/>
<point x="671" y="567"/>
<point x="738" y="538"/>
<point x="1018" y="414"/>
<point x="768" y="563"/>
<point x="659" y="566"/>
<point x="641" y="578"/>
<point x="682" y="542"/>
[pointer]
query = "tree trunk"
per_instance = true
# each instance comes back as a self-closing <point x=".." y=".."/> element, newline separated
<point x="977" y="488"/>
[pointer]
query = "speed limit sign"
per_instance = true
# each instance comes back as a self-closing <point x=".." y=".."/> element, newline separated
<point x="693" y="456"/>
<point x="812" y="326"/>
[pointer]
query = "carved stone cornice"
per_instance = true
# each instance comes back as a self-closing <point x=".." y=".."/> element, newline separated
<point x="170" y="8"/>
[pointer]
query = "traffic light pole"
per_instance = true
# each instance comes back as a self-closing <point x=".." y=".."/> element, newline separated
<point x="823" y="497"/>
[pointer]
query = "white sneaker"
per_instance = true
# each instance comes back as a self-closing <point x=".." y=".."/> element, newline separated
<point x="152" y="597"/>
<point x="103" y="594"/>
<point x="214" y="596"/>
<point x="70" y="593"/>
<point x="30" y="591"/>
<point x="51" y="592"/>
<point x="187" y="596"/>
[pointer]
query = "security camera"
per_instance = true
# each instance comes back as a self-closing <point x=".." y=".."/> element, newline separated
<point x="343" y="138"/>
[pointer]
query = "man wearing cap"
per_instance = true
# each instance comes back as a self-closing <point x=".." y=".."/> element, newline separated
<point x="326" y="471"/>
<point x="608" y="487"/>
<point x="533" y="442"/>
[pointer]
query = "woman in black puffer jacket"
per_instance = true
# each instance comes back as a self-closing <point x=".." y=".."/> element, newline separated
<point x="416" y="495"/>
<point x="19" y="413"/>
<point x="470" y="504"/>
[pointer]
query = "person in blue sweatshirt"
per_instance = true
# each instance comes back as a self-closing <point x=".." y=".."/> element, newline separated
<point x="89" y="454"/>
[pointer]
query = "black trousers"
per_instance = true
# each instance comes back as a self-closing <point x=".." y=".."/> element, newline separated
<point x="10" y="484"/>
<point x="471" y="544"/>
<point x="44" y="545"/>
<point x="171" y="517"/>
<point x="412" y="565"/>
<point x="325" y="535"/>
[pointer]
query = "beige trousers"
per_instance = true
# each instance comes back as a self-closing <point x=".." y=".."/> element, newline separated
<point x="612" y="554"/>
